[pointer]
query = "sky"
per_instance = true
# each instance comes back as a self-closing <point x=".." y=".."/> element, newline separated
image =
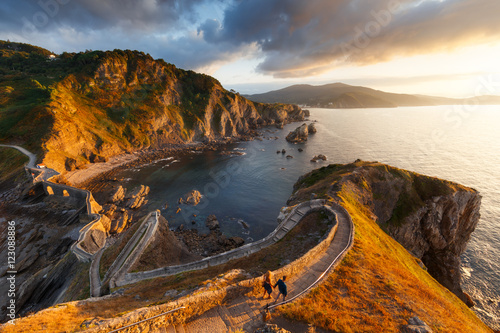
<point x="435" y="47"/>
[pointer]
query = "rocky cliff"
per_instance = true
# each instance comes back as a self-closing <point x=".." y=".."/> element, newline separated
<point x="432" y="218"/>
<point x="93" y="105"/>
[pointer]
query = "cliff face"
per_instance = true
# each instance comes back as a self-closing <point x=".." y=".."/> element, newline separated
<point x="130" y="102"/>
<point x="432" y="218"/>
<point x="98" y="104"/>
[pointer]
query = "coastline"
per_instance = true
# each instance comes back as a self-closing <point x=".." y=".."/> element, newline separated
<point x="97" y="173"/>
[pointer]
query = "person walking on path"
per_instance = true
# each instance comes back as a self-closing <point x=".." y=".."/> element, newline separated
<point x="267" y="284"/>
<point x="282" y="288"/>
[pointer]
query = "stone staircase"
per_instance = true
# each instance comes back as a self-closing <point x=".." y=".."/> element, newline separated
<point x="246" y="312"/>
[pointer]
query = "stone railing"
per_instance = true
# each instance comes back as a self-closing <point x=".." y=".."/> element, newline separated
<point x="133" y="249"/>
<point x="202" y="301"/>
<point x="350" y="242"/>
<point x="80" y="195"/>
<point x="288" y="223"/>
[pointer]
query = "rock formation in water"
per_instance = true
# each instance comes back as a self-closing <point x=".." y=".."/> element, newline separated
<point x="311" y="128"/>
<point x="316" y="158"/>
<point x="432" y="218"/>
<point x="192" y="198"/>
<point x="300" y="134"/>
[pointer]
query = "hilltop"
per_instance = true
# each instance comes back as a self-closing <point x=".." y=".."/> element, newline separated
<point x="340" y="96"/>
<point x="78" y="108"/>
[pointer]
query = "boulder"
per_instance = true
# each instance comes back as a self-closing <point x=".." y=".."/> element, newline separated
<point x="191" y="198"/>
<point x="416" y="325"/>
<point x="212" y="223"/>
<point x="311" y="128"/>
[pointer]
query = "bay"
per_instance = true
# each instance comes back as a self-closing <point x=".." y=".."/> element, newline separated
<point x="457" y="143"/>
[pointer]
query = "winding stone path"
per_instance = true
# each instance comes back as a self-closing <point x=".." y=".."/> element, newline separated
<point x="133" y="249"/>
<point x="43" y="176"/>
<point x="246" y="312"/>
<point x="286" y="225"/>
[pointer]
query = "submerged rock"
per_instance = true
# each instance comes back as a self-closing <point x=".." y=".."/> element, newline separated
<point x="318" y="157"/>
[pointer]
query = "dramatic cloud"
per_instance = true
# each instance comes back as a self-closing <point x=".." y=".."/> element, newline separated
<point x="129" y="15"/>
<point x="292" y="38"/>
<point x="300" y="38"/>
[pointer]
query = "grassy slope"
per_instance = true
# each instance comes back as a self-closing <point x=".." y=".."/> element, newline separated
<point x="68" y="317"/>
<point x="12" y="162"/>
<point x="379" y="285"/>
<point x="104" y="103"/>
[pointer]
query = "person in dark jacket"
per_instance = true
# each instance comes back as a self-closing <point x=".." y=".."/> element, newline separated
<point x="282" y="288"/>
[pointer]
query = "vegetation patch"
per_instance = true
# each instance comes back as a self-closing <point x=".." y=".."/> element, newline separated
<point x="12" y="163"/>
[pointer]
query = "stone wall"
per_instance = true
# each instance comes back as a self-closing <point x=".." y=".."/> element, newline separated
<point x="135" y="247"/>
<point x="288" y="223"/>
<point x="199" y="303"/>
<point x="93" y="236"/>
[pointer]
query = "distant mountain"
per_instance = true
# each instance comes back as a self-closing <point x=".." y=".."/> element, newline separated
<point x="340" y="95"/>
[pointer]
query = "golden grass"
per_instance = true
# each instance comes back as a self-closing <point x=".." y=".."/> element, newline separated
<point x="378" y="287"/>
<point x="57" y="319"/>
<point x="151" y="291"/>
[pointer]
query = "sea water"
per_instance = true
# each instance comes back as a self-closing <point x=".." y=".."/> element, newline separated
<point x="247" y="190"/>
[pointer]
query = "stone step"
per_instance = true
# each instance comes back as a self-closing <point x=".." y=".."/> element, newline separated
<point x="226" y="316"/>
<point x="179" y="329"/>
<point x="169" y="329"/>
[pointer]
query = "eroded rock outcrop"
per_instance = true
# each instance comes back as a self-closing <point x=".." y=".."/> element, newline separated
<point x="182" y="107"/>
<point x="432" y="218"/>
<point x="192" y="198"/>
<point x="300" y="134"/>
<point x="118" y="194"/>
<point x="137" y="197"/>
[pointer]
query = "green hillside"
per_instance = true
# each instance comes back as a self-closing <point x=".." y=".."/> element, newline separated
<point x="77" y="108"/>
